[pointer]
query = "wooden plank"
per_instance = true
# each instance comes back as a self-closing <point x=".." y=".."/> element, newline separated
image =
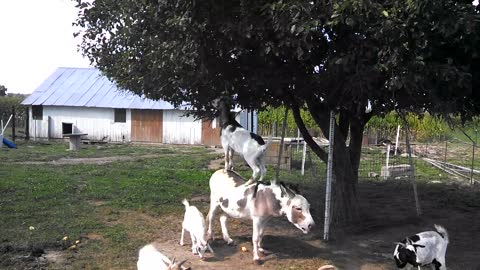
<point x="147" y="125"/>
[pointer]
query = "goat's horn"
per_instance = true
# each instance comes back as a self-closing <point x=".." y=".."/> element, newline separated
<point x="400" y="243"/>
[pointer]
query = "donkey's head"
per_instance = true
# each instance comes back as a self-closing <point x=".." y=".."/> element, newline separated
<point x="297" y="209"/>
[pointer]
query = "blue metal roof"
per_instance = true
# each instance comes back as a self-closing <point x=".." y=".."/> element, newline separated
<point x="87" y="87"/>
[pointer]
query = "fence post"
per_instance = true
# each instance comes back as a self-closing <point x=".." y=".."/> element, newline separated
<point x="328" y="191"/>
<point x="473" y="160"/>
<point x="445" y="158"/>
<point x="13" y="123"/>
<point x="304" y="154"/>
<point x="27" y="124"/>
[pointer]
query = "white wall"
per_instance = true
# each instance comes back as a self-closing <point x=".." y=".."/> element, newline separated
<point x="98" y="123"/>
<point x="178" y="129"/>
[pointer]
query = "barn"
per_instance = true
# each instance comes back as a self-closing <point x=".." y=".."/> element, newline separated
<point x="82" y="100"/>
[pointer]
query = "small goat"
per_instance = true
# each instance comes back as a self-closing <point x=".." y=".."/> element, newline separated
<point x="423" y="249"/>
<point x="194" y="222"/>
<point x="150" y="258"/>
<point x="235" y="138"/>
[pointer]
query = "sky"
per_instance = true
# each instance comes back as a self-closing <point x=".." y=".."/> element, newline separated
<point x="36" y="38"/>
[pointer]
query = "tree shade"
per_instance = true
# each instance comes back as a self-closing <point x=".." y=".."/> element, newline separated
<point x="407" y="55"/>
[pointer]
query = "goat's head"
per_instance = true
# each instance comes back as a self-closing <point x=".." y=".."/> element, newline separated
<point x="297" y="210"/>
<point x="201" y="247"/>
<point x="406" y="252"/>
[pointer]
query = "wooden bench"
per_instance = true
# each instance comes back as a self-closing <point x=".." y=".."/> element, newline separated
<point x="74" y="140"/>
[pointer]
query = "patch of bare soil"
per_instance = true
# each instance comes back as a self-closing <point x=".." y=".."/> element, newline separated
<point x="389" y="216"/>
<point x="100" y="160"/>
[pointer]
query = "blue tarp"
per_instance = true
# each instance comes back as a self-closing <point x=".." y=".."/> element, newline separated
<point x="9" y="143"/>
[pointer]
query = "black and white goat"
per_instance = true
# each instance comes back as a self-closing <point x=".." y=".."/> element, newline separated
<point x="235" y="138"/>
<point x="423" y="249"/>
<point x="150" y="258"/>
<point x="194" y="223"/>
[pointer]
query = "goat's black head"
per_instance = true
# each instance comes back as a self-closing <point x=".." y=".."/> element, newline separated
<point x="406" y="252"/>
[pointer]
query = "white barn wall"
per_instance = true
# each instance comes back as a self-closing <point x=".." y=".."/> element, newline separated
<point x="98" y="123"/>
<point x="179" y="129"/>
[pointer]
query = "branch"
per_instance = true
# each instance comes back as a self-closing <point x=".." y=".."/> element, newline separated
<point x="306" y="136"/>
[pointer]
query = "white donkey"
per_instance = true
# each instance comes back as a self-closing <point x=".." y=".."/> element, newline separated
<point x="235" y="138"/>
<point x="258" y="202"/>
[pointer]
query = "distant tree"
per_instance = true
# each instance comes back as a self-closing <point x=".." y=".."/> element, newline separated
<point x="412" y="55"/>
<point x="3" y="90"/>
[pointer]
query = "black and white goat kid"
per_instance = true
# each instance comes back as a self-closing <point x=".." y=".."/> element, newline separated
<point x="423" y="249"/>
<point x="235" y="138"/>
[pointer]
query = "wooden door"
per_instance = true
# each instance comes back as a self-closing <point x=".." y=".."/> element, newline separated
<point x="147" y="125"/>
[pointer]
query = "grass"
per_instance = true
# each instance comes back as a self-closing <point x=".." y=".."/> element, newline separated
<point x="76" y="200"/>
<point x="100" y="204"/>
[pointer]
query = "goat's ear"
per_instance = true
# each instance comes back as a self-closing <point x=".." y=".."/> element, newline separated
<point x="415" y="245"/>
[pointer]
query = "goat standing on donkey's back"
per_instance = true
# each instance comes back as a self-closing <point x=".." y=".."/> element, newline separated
<point x="235" y="138"/>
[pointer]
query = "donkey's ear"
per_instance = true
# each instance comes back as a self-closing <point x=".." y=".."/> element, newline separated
<point x="285" y="191"/>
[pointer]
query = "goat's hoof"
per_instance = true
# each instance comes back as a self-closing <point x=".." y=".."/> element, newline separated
<point x="181" y="243"/>
<point x="231" y="243"/>
<point x="257" y="262"/>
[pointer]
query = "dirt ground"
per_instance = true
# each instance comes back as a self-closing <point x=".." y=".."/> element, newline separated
<point x="389" y="217"/>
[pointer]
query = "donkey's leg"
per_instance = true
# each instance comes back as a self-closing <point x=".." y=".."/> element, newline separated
<point x="211" y="217"/>
<point x="256" y="238"/>
<point x="223" y="223"/>
<point x="261" y="230"/>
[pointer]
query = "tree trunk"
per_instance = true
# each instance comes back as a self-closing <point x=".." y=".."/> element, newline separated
<point x="346" y="210"/>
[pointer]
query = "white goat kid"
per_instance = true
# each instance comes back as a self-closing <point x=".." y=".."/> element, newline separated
<point x="235" y="138"/>
<point x="150" y="258"/>
<point x="423" y="249"/>
<point x="258" y="202"/>
<point x="194" y="223"/>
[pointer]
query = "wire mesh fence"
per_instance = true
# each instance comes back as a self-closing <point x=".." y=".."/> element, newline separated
<point x="432" y="161"/>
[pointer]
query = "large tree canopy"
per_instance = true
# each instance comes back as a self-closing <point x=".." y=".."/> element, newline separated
<point x="413" y="55"/>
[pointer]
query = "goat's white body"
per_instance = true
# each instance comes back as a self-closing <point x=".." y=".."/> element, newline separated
<point x="240" y="141"/>
<point x="149" y="258"/>
<point x="194" y="223"/>
<point x="236" y="199"/>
